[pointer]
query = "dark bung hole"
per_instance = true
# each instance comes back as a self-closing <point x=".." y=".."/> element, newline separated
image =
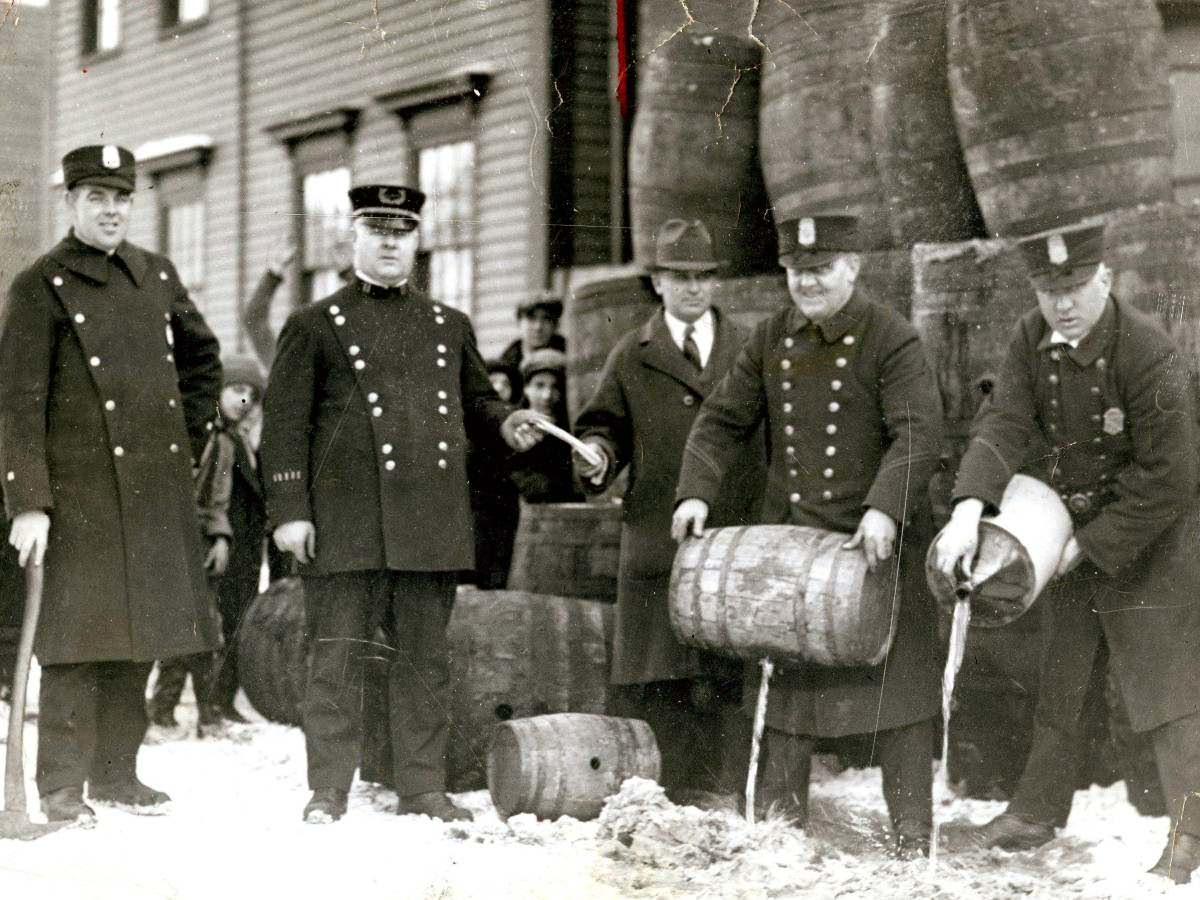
<point x="986" y="385"/>
<point x="504" y="712"/>
<point x="595" y="762"/>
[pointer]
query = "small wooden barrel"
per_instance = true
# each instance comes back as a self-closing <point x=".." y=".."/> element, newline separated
<point x="567" y="764"/>
<point x="1063" y="111"/>
<point x="815" y="116"/>
<point x="567" y="549"/>
<point x="597" y="316"/>
<point x="921" y="167"/>
<point x="273" y="652"/>
<point x="785" y="591"/>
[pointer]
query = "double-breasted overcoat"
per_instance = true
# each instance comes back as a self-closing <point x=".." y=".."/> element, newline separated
<point x="108" y="376"/>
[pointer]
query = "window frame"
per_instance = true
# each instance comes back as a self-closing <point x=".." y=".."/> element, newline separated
<point x="182" y="177"/>
<point x="169" y="23"/>
<point x="90" y="50"/>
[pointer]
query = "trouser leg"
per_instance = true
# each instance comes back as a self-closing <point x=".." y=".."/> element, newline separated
<point x="906" y="760"/>
<point x="784" y="771"/>
<point x="1177" y="750"/>
<point x="120" y="721"/>
<point x="342" y="612"/>
<point x="419" y="680"/>
<point x="235" y="593"/>
<point x="67" y="701"/>
<point x="168" y="687"/>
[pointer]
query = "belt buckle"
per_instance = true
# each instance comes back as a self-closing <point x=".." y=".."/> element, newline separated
<point x="1079" y="503"/>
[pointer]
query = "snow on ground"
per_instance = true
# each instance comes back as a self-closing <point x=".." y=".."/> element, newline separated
<point x="235" y="832"/>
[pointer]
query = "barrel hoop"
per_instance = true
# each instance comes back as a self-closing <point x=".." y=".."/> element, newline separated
<point x="558" y="772"/>
<point x="1060" y="162"/>
<point x="821" y="572"/>
<point x="724" y="607"/>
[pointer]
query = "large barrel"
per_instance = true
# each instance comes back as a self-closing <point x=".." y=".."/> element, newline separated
<point x="921" y="167"/>
<point x="789" y="592"/>
<point x="815" y="115"/>
<point x="1063" y="108"/>
<point x="567" y="549"/>
<point x="693" y="150"/>
<point x="597" y="316"/>
<point x="658" y="21"/>
<point x="273" y="651"/>
<point x="567" y="764"/>
<point x="512" y="655"/>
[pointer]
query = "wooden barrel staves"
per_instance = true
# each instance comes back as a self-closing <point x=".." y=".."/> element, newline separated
<point x="567" y="549"/>
<point x="567" y="764"/>
<point x="273" y="653"/>
<point x="815" y="114"/>
<point x="658" y="21"/>
<point x="788" y="592"/>
<point x="1063" y="108"/>
<point x="693" y="150"/>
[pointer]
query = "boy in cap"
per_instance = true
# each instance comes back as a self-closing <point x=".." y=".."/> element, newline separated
<point x="1093" y="400"/>
<point x="652" y="385"/>
<point x="108" y="375"/>
<point x="544" y="474"/>
<point x="539" y="317"/>
<point x="851" y="409"/>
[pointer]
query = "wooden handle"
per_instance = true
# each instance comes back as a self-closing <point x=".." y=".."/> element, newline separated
<point x="14" y="760"/>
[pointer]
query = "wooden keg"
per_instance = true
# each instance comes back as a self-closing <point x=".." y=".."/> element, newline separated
<point x="693" y="149"/>
<point x="273" y="653"/>
<point x="512" y="655"/>
<point x="924" y="177"/>
<point x="658" y="21"/>
<point x="567" y="764"/>
<point x="815" y="115"/>
<point x="1063" y="108"/>
<point x="567" y="549"/>
<point x="789" y="592"/>
<point x="597" y="316"/>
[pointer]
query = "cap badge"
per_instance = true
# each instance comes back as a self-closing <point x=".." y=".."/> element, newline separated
<point x="1056" y="247"/>
<point x="110" y="156"/>
<point x="392" y="196"/>
<point x="1114" y="420"/>
<point x="807" y="234"/>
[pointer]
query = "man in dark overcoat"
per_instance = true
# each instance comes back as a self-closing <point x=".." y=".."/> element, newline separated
<point x="649" y="393"/>
<point x="372" y="397"/>
<point x="853" y="422"/>
<point x="108" y="376"/>
<point x="1095" y="400"/>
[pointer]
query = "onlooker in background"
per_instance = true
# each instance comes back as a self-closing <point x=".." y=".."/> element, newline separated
<point x="544" y="474"/>
<point x="539" y="320"/>
<point x="506" y="379"/>
<point x="108" y="374"/>
<point x="652" y="386"/>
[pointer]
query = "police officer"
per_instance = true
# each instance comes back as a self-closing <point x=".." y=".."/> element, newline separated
<point x="1093" y="400"/>
<point x="372" y="396"/>
<point x="853" y="422"/>
<point x="108" y="375"/>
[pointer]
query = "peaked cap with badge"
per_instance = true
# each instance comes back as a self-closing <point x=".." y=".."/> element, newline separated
<point x="1063" y="259"/>
<point x="809" y="242"/>
<point x="386" y="201"/>
<point x="107" y="165"/>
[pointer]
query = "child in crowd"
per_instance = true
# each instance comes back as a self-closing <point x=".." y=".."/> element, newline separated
<point x="544" y="474"/>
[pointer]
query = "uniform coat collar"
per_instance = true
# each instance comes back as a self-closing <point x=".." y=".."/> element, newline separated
<point x="659" y="351"/>
<point x="93" y="264"/>
<point x="1094" y="343"/>
<point x="836" y="326"/>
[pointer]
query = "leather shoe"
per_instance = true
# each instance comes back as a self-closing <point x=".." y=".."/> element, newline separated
<point x="434" y="804"/>
<point x="911" y="842"/>
<point x="1010" y="831"/>
<point x="1179" y="858"/>
<point x="66" y="805"/>
<point x="326" y="806"/>
<point x="130" y="793"/>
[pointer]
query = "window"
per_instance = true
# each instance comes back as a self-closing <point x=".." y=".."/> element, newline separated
<point x="179" y="190"/>
<point x="183" y="12"/>
<point x="101" y="26"/>
<point x="446" y="257"/>
<point x="326" y="205"/>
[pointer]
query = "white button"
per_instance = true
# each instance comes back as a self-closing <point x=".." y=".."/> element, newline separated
<point x="443" y="446"/>
<point x="795" y="498"/>
<point x="787" y="385"/>
<point x="441" y="348"/>
<point x="372" y="397"/>
<point x="834" y="406"/>
<point x="791" y="451"/>
<point x="95" y="361"/>
<point x="442" y="464"/>
<point x="795" y="473"/>
<point x="848" y="340"/>
<point x="334" y="310"/>
<point x="359" y="364"/>
<point x="171" y="403"/>
<point x="377" y="411"/>
<point x="840" y="362"/>
<point x="443" y="410"/>
<point x="174" y="448"/>
<point x="441" y="395"/>
<point x="831" y="451"/>
<point x="12" y="476"/>
<point x="831" y="429"/>
<point x="440" y="320"/>
<point x="354" y="350"/>
<point x="789" y="430"/>
<point x="339" y="320"/>
<point x="789" y="343"/>
<point x="437" y="309"/>
<point x="441" y="362"/>
<point x="787" y="407"/>
<point x="167" y="316"/>
<point x="162" y="275"/>
<point x="110" y="405"/>
<point x="58" y="282"/>
<point x="835" y="384"/>
<point x="118" y="451"/>
<point x="80" y="318"/>
<point x="785" y="365"/>
<point x="390" y="464"/>
<point x="170" y="357"/>
<point x="387" y="448"/>
<point x="828" y="473"/>
<point x="826" y="495"/>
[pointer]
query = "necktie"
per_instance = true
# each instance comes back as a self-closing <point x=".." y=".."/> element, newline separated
<point x="690" y="351"/>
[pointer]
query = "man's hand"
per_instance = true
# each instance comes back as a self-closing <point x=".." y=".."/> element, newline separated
<point x="1072" y="556"/>
<point x="689" y="519"/>
<point x="876" y="535"/>
<point x="298" y="538"/>
<point x="518" y="430"/>
<point x="281" y="257"/>
<point x="957" y="544"/>
<point x="29" y="534"/>
<point x="584" y="469"/>
<point x="217" y="559"/>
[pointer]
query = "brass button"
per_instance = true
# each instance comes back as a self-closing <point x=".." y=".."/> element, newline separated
<point x="787" y="407"/>
<point x="174" y="448"/>
<point x="848" y="340"/>
<point x="785" y="365"/>
<point x="840" y="362"/>
<point x="437" y="309"/>
<point x="795" y="498"/>
<point x="831" y="429"/>
<point x="443" y="410"/>
<point x="1053" y="379"/>
<point x="80" y="318"/>
<point x="440" y="320"/>
<point x="826" y="495"/>
<point x="442" y="464"/>
<point x="1053" y="402"/>
<point x="162" y="275"/>
<point x="791" y="451"/>
<point x="1095" y="440"/>
<point x="789" y="430"/>
<point x="834" y="406"/>
<point x="390" y="465"/>
<point x="441" y="348"/>
<point x="354" y="349"/>
<point x="118" y="451"/>
<point x="441" y="362"/>
<point x="828" y="473"/>
<point x="688" y="400"/>
<point x="12" y="476"/>
<point x="1101" y="363"/>
<point x="110" y="405"/>
<point x="1095" y="417"/>
<point x="789" y="343"/>
<point x="372" y="397"/>
<point x="377" y="411"/>
<point x="359" y="364"/>
<point x="58" y="282"/>
<point x="1055" y="355"/>
<point x="1095" y="389"/>
<point x="441" y="395"/>
<point x="334" y="310"/>
<point x="171" y="403"/>
<point x="787" y="385"/>
<point x="835" y="384"/>
<point x="95" y="361"/>
<point x="339" y="320"/>
<point x="794" y="473"/>
<point x="443" y="446"/>
<point x="831" y="451"/>
<point x="387" y="449"/>
<point x="170" y="357"/>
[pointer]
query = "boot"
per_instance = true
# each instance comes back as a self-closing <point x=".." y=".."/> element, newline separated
<point x="326" y="806"/>
<point x="131" y="794"/>
<point x="911" y="841"/>
<point x="434" y="804"/>
<point x="1179" y="858"/>
<point x="66" y="805"/>
<point x="1011" y="831"/>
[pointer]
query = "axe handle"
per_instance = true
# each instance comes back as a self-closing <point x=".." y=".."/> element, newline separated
<point x="14" y="760"/>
